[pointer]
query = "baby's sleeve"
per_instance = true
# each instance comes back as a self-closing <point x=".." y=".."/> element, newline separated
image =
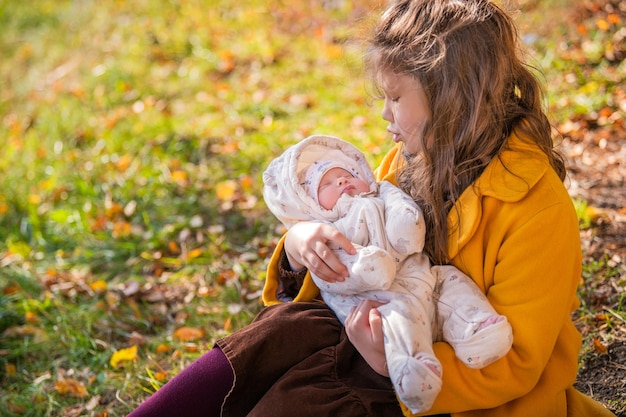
<point x="404" y="222"/>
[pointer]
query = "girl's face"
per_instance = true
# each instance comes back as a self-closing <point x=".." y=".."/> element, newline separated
<point x="406" y="109"/>
<point x="338" y="181"/>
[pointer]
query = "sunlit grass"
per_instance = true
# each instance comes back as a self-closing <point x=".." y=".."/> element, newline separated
<point x="134" y="138"/>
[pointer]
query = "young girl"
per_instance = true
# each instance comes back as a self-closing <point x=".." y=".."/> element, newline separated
<point x="326" y="179"/>
<point x="473" y="148"/>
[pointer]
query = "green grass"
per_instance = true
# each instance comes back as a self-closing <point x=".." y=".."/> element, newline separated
<point x="134" y="136"/>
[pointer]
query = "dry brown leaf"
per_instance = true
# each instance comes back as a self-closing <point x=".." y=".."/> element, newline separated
<point x="70" y="387"/>
<point x="599" y="346"/>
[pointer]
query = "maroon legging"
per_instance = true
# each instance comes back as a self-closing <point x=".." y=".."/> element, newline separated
<point x="199" y="390"/>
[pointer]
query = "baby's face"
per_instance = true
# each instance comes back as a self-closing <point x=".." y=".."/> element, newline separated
<point x="338" y="181"/>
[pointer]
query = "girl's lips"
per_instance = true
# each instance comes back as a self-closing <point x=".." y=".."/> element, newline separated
<point x="395" y="136"/>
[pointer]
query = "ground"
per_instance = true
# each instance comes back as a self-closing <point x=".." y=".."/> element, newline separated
<point x="596" y="161"/>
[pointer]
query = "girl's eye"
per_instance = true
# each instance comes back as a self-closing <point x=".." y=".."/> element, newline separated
<point x="395" y="99"/>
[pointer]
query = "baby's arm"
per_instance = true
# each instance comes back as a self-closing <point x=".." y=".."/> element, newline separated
<point x="404" y="222"/>
<point x="372" y="268"/>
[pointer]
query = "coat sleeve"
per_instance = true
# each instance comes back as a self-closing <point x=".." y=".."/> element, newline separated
<point x="308" y="291"/>
<point x="531" y="278"/>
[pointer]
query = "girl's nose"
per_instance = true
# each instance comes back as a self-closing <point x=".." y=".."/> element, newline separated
<point x="387" y="113"/>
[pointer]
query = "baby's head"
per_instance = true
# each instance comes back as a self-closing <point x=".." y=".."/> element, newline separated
<point x="327" y="180"/>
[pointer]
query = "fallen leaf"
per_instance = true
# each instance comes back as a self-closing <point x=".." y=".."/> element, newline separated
<point x="602" y="24"/>
<point x="11" y="289"/>
<point x="123" y="355"/>
<point x="16" y="408"/>
<point x="187" y="334"/>
<point x="194" y="253"/>
<point x="93" y="403"/>
<point x="173" y="247"/>
<point x="191" y="348"/>
<point x="70" y="387"/>
<point x="246" y="182"/>
<point x="225" y="190"/>
<point x="98" y="286"/>
<point x="613" y="18"/>
<point x="10" y="369"/>
<point x="599" y="346"/>
<point x="121" y="229"/>
<point x="180" y="177"/>
<point x="124" y="162"/>
<point x="137" y="339"/>
<point x="26" y="330"/>
<point x="31" y="317"/>
<point x="162" y="348"/>
<point x="228" y="324"/>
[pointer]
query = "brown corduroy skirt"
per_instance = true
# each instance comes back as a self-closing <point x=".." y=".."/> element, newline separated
<point x="295" y="359"/>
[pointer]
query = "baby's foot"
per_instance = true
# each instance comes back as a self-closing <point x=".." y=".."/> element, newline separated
<point x="491" y="320"/>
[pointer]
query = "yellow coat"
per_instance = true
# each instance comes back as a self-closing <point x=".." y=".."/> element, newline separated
<point x="516" y="234"/>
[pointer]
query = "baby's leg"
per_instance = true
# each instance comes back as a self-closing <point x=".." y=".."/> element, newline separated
<point x="407" y="325"/>
<point x="478" y="334"/>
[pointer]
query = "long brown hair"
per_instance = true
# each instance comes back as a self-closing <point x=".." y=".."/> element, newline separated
<point x="465" y="55"/>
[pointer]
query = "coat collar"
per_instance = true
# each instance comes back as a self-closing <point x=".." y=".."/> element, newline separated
<point x="507" y="178"/>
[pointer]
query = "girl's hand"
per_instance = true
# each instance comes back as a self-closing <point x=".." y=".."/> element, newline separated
<point x="364" y="327"/>
<point x="306" y="246"/>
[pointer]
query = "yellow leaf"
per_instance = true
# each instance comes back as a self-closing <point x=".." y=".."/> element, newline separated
<point x="122" y="355"/>
<point x="194" y="253"/>
<point x="98" y="286"/>
<point x="31" y="317"/>
<point x="70" y="387"/>
<point x="34" y="199"/>
<point x="10" y="369"/>
<point x="225" y="190"/>
<point x="227" y="62"/>
<point x="179" y="177"/>
<point x="187" y="334"/>
<point x="333" y="51"/>
<point x="123" y="162"/>
<point x="594" y="212"/>
<point x="602" y="24"/>
<point x="121" y="229"/>
<point x="114" y="210"/>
